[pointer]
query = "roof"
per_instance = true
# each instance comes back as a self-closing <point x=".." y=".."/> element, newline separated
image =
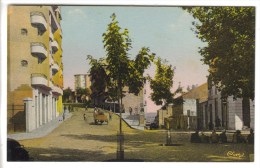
<point x="200" y="92"/>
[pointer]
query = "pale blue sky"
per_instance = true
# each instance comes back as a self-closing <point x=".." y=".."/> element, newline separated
<point x="165" y="30"/>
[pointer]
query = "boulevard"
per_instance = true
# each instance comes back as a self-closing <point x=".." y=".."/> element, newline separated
<point x="77" y="139"/>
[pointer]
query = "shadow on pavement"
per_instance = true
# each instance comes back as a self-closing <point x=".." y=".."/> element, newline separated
<point x="104" y="138"/>
<point x="66" y="155"/>
<point x="125" y="160"/>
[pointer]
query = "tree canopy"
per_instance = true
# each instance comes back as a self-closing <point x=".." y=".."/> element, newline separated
<point x="230" y="52"/>
<point x="116" y="70"/>
<point x="162" y="83"/>
<point x="99" y="78"/>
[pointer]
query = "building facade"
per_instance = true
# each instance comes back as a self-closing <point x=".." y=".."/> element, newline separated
<point x="134" y="102"/>
<point x="228" y="113"/>
<point x="35" y="68"/>
<point x="186" y="113"/>
<point x="82" y="81"/>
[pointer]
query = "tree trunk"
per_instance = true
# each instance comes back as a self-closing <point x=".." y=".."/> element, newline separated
<point x="246" y="111"/>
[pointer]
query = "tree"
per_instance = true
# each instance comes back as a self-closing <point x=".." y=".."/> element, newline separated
<point x="230" y="53"/>
<point x="81" y="94"/>
<point x="99" y="79"/>
<point x="162" y="83"/>
<point x="120" y="69"/>
<point x="137" y="67"/>
<point x="67" y="93"/>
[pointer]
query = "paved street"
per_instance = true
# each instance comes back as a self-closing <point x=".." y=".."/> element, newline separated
<point x="79" y="140"/>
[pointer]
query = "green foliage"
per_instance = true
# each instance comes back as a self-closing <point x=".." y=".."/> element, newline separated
<point x="99" y="77"/>
<point x="116" y="44"/>
<point x="230" y="53"/>
<point x="137" y="67"/>
<point x="162" y="83"/>
<point x="66" y="94"/>
<point x="121" y="70"/>
<point x="82" y="93"/>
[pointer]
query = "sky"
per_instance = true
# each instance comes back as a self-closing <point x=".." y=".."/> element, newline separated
<point x="165" y="30"/>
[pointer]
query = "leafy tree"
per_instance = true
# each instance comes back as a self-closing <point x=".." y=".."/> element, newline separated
<point x="67" y="93"/>
<point x="99" y="79"/>
<point x="120" y="69"/>
<point x="230" y="53"/>
<point x="117" y="44"/>
<point x="82" y="93"/>
<point x="137" y="67"/>
<point x="162" y="83"/>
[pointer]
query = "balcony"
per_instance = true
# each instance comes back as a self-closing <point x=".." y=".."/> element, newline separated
<point x="55" y="68"/>
<point x="51" y="36"/>
<point x="39" y="50"/>
<point x="55" y="46"/>
<point x="39" y="80"/>
<point x="57" y="90"/>
<point x="38" y="19"/>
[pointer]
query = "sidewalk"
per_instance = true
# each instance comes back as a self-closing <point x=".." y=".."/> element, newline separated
<point x="131" y="120"/>
<point x="41" y="131"/>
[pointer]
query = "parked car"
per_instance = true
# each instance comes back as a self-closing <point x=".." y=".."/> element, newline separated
<point x="154" y="125"/>
<point x="16" y="151"/>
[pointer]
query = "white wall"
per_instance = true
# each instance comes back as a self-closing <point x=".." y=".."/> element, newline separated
<point x="190" y="104"/>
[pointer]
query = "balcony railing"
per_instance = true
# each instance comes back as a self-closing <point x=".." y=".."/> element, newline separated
<point x="51" y="36"/>
<point x="40" y="80"/>
<point x="57" y="90"/>
<point x="39" y="50"/>
<point x="55" y="68"/>
<point x="55" y="46"/>
<point x="38" y="19"/>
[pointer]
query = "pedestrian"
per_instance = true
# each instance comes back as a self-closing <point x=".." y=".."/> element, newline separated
<point x="237" y="137"/>
<point x="250" y="137"/>
<point x="218" y="121"/>
<point x="204" y="138"/>
<point x="195" y="138"/>
<point x="130" y="110"/>
<point x="223" y="137"/>
<point x="84" y="116"/>
<point x="214" y="137"/>
<point x="110" y="115"/>
<point x="63" y="116"/>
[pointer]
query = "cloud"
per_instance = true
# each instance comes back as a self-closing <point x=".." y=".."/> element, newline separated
<point x="77" y="12"/>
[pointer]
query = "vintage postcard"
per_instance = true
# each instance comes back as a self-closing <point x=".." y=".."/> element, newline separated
<point x="141" y="82"/>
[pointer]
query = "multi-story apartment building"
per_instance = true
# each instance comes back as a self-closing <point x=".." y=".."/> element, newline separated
<point x="82" y="81"/>
<point x="35" y="68"/>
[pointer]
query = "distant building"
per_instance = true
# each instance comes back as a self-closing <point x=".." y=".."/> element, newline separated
<point x="186" y="111"/>
<point x="135" y="102"/>
<point x="35" y="68"/>
<point x="82" y="81"/>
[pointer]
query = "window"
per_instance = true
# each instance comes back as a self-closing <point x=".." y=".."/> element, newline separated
<point x="40" y="60"/>
<point x="40" y="32"/>
<point x="24" y="31"/>
<point x="24" y="63"/>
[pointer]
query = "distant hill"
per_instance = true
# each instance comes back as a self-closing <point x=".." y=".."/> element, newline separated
<point x="150" y="117"/>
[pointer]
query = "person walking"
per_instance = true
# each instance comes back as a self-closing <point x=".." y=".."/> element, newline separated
<point x="63" y="115"/>
<point x="110" y="115"/>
